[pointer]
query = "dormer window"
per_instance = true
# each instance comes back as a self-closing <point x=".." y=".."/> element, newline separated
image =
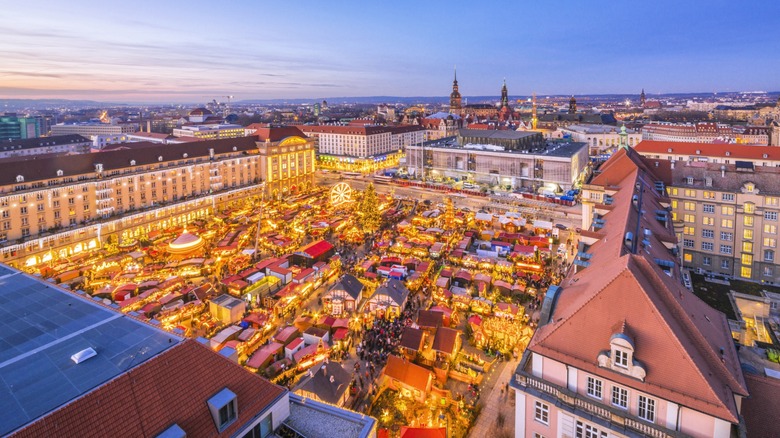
<point x="160" y="158"/>
<point x="132" y="162"/>
<point x="59" y="172"/>
<point x="224" y="408"/>
<point x="620" y="356"/>
<point x="749" y="187"/>
<point x="689" y="180"/>
<point x="19" y="178"/>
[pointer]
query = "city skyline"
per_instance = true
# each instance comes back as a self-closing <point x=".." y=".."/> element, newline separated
<point x="165" y="53"/>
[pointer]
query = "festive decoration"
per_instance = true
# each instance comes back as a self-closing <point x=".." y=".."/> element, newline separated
<point x="370" y="217"/>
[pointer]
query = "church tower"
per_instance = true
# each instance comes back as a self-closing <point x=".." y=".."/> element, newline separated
<point x="642" y="98"/>
<point x="504" y="96"/>
<point x="534" y="119"/>
<point x="504" y="111"/>
<point x="572" y="105"/>
<point x="455" y="106"/>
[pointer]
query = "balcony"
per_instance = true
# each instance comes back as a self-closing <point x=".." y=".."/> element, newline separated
<point x="616" y="419"/>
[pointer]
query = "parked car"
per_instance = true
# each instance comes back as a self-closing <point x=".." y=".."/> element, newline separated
<point x="561" y="227"/>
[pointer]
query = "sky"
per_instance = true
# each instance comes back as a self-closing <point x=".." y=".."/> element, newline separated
<point x="177" y="52"/>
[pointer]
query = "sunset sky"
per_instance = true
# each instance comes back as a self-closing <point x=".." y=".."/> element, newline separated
<point x="189" y="52"/>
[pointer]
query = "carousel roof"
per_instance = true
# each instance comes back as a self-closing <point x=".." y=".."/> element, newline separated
<point x="185" y="243"/>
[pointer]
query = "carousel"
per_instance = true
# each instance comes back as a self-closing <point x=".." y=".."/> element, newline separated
<point x="185" y="244"/>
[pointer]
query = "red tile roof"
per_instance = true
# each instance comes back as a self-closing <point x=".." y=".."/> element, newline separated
<point x="719" y="150"/>
<point x="407" y="373"/>
<point x="316" y="249"/>
<point x="345" y="130"/>
<point x="423" y="432"/>
<point x="172" y="387"/>
<point x="762" y="407"/>
<point x="677" y="336"/>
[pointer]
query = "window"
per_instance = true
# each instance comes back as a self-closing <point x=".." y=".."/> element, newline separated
<point x="621" y="360"/>
<point x="747" y="259"/>
<point x="770" y="242"/>
<point x="747" y="234"/>
<point x="690" y="218"/>
<point x="594" y="387"/>
<point x="620" y="397"/>
<point x="770" y="215"/>
<point x="750" y="208"/>
<point x="688" y="243"/>
<point x="585" y="430"/>
<point x="646" y="408"/>
<point x="706" y="260"/>
<point x="707" y="246"/>
<point x="263" y="429"/>
<point x="727" y="197"/>
<point x="708" y="195"/>
<point x="727" y="210"/>
<point x="724" y="264"/>
<point x="708" y="234"/>
<point x="726" y="236"/>
<point x="707" y="220"/>
<point x="690" y="193"/>
<point x="227" y="414"/>
<point x="770" y="229"/>
<point x="689" y="231"/>
<point x="748" y="221"/>
<point x="725" y="249"/>
<point x="674" y="204"/>
<point x="223" y="407"/>
<point x="727" y="223"/>
<point x="746" y="272"/>
<point x="690" y="206"/>
<point x="747" y="246"/>
<point x="673" y="191"/>
<point x="769" y="272"/>
<point x="769" y="255"/>
<point x="542" y="412"/>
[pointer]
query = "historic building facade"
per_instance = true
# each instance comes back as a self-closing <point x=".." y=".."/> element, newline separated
<point x="726" y="217"/>
<point x="623" y="349"/>
<point x="58" y="206"/>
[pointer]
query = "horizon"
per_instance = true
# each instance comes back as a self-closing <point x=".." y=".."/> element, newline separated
<point x="354" y="50"/>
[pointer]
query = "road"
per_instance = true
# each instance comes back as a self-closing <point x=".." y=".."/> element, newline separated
<point x="568" y="216"/>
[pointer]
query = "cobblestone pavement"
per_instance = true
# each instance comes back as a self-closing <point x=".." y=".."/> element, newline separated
<point x="498" y="400"/>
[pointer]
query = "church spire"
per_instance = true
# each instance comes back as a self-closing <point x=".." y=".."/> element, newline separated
<point x="455" y="98"/>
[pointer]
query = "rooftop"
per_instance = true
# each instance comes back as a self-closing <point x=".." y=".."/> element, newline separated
<point x="684" y="345"/>
<point x="319" y="420"/>
<point x="171" y="388"/>
<point x="705" y="150"/>
<point x="41" y="327"/>
<point x="38" y="142"/>
<point x="563" y="149"/>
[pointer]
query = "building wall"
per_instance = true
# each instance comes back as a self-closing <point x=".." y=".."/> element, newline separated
<point x="287" y="167"/>
<point x="515" y="169"/>
<point x="563" y="421"/>
<point x="747" y="243"/>
<point x="92" y="129"/>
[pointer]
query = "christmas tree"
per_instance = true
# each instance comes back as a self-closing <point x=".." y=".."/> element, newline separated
<point x="370" y="218"/>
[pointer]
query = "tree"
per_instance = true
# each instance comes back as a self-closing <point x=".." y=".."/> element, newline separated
<point x="369" y="217"/>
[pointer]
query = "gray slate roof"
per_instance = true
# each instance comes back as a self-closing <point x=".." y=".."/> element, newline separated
<point x="349" y="284"/>
<point x="41" y="327"/>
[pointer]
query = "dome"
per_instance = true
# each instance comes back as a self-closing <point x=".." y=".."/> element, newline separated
<point x="185" y="243"/>
<point x="200" y="112"/>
